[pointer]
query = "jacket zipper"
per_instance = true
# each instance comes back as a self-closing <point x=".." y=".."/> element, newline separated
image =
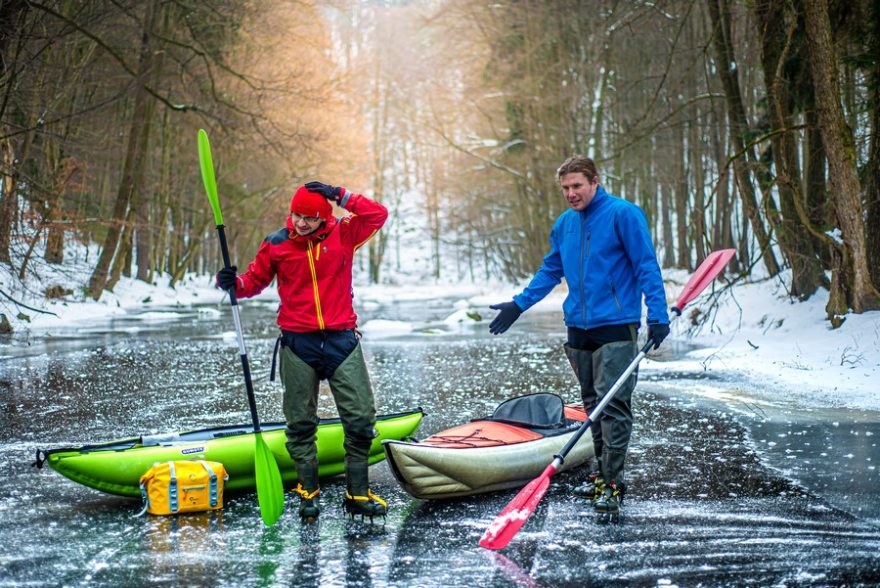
<point x="581" y="267"/>
<point x="315" y="286"/>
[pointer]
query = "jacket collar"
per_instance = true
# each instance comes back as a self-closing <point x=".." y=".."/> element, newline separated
<point x="597" y="201"/>
<point x="318" y="235"/>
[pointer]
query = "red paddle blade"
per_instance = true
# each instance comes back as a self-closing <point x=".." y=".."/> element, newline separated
<point x="708" y="271"/>
<point x="517" y="512"/>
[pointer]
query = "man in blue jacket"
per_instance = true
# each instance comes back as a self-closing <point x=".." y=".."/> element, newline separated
<point x="603" y="249"/>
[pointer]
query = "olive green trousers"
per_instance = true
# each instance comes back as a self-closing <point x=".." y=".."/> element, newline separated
<point x="352" y="392"/>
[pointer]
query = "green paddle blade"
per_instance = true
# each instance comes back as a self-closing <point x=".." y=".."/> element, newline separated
<point x="270" y="490"/>
<point x="206" y="163"/>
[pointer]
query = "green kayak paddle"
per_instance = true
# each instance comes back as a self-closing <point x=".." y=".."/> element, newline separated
<point x="270" y="491"/>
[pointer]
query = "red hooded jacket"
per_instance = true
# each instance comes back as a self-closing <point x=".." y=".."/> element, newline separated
<point x="314" y="271"/>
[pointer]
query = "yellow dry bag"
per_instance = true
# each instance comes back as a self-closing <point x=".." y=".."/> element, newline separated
<point x="174" y="487"/>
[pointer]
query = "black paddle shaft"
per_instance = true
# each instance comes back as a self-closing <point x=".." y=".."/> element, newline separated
<point x="245" y="364"/>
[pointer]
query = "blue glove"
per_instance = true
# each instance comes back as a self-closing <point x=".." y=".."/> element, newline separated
<point x="508" y="315"/>
<point x="657" y="332"/>
<point x="227" y="277"/>
<point x="326" y="190"/>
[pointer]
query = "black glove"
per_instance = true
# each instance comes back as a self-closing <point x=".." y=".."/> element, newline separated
<point x="227" y="277"/>
<point x="657" y="332"/>
<point x="327" y="191"/>
<point x="508" y="315"/>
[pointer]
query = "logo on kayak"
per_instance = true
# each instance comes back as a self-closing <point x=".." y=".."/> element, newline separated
<point x="190" y="450"/>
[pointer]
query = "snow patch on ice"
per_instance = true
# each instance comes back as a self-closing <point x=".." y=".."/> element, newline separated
<point x="386" y="328"/>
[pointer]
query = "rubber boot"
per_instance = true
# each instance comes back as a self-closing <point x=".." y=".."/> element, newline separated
<point x="611" y="465"/>
<point x="609" y="496"/>
<point x="308" y="490"/>
<point x="588" y="488"/>
<point x="359" y="499"/>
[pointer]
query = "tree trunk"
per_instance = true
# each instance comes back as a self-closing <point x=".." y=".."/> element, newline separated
<point x="816" y="199"/>
<point x="872" y="170"/>
<point x="739" y="127"/>
<point x="64" y="172"/>
<point x="12" y="17"/>
<point x="668" y="249"/>
<point x="697" y="147"/>
<point x="683" y="257"/>
<point x="143" y="240"/>
<point x="162" y="246"/>
<point x="794" y="239"/>
<point x="122" y="261"/>
<point x="846" y="190"/>
<point x="135" y="156"/>
<point x="698" y="214"/>
<point x="8" y="199"/>
<point x="722" y="234"/>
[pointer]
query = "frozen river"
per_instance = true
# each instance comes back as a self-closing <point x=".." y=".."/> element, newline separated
<point x="724" y="490"/>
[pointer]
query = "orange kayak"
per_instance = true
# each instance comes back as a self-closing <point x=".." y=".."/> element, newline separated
<point x="505" y="450"/>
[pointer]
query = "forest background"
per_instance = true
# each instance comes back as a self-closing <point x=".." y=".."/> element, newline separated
<point x="747" y="124"/>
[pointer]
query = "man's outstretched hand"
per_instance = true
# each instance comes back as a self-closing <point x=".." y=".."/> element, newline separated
<point x="508" y="315"/>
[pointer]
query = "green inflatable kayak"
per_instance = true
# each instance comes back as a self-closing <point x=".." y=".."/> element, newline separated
<point x="116" y="466"/>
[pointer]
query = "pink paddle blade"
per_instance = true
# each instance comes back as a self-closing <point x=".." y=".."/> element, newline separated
<point x="708" y="271"/>
<point x="517" y="512"/>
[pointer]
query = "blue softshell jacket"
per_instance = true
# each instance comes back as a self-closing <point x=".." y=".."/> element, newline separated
<point x="605" y="254"/>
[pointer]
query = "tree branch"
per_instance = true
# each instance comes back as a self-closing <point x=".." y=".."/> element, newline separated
<point x="23" y="305"/>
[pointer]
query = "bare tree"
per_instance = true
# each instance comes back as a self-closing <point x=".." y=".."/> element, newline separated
<point x="744" y="157"/>
<point x="851" y="281"/>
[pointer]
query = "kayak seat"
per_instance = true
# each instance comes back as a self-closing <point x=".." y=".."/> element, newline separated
<point x="542" y="410"/>
<point x="575" y="412"/>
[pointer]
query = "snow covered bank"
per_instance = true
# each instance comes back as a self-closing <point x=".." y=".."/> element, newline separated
<point x="787" y="347"/>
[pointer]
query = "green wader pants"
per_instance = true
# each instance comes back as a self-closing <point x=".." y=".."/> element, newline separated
<point x="352" y="392"/>
<point x="596" y="372"/>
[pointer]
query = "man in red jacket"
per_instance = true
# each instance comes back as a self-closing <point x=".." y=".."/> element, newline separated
<point x="312" y="259"/>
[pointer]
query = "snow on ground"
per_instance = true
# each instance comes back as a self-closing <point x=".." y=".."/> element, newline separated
<point x="783" y="347"/>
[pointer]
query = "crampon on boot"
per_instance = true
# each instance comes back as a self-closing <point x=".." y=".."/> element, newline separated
<point x="359" y="499"/>
<point x="588" y="488"/>
<point x="591" y="489"/>
<point x="607" y="501"/>
<point x="366" y="506"/>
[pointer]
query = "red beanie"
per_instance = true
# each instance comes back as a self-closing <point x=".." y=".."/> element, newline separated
<point x="306" y="203"/>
